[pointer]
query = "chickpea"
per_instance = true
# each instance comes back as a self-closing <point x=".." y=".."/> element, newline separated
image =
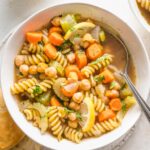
<point x="112" y="93"/>
<point x="56" y="21"/>
<point x="51" y="72"/>
<point x="74" y="106"/>
<point x="73" y="124"/>
<point x="85" y="85"/>
<point x="41" y="67"/>
<point x="78" y="97"/>
<point x="71" y="58"/>
<point x="24" y="69"/>
<point x="100" y="90"/>
<point x="19" y="60"/>
<point x="86" y="44"/>
<point x="73" y="75"/>
<point x="33" y="69"/>
<point x="105" y="99"/>
<point x="72" y="116"/>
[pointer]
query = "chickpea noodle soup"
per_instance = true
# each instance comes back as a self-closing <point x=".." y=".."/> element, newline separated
<point x="67" y="80"/>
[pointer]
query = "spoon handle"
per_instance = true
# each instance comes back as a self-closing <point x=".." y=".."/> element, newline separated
<point x="140" y="100"/>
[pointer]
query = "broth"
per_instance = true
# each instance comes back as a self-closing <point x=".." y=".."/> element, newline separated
<point x="114" y="47"/>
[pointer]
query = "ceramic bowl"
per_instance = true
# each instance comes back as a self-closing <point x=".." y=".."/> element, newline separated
<point x="39" y="19"/>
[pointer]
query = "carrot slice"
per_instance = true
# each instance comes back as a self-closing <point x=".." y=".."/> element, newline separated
<point x="50" y="51"/>
<point x="106" y="114"/>
<point x="33" y="37"/>
<point x="115" y="104"/>
<point x="54" y="101"/>
<point x="56" y="38"/>
<point x="112" y="93"/>
<point x="71" y="68"/>
<point x="81" y="59"/>
<point x="108" y="76"/>
<point x="69" y="89"/>
<point x="94" y="51"/>
<point x="55" y="29"/>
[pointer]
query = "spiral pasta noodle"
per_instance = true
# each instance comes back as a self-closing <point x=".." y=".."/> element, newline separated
<point x="98" y="104"/>
<point x="144" y="4"/>
<point x="35" y="59"/>
<point x="44" y="86"/>
<point x="24" y="49"/>
<point x="23" y="85"/>
<point x="32" y="115"/>
<point x="35" y="48"/>
<point x="45" y="36"/>
<point x="55" y="123"/>
<point x="61" y="59"/>
<point x="73" y="134"/>
<point x="101" y="62"/>
<point x="100" y="128"/>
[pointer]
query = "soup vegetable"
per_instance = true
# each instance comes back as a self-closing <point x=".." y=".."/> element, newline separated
<point x="66" y="80"/>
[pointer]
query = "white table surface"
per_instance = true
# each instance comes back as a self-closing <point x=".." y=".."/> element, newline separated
<point x="12" y="12"/>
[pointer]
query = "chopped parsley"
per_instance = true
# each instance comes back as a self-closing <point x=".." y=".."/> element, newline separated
<point x="99" y="78"/>
<point x="20" y="73"/>
<point x="124" y="107"/>
<point x="78" y="115"/>
<point x="123" y="86"/>
<point x="65" y="45"/>
<point x="77" y="35"/>
<point x="37" y="90"/>
<point x="112" y="85"/>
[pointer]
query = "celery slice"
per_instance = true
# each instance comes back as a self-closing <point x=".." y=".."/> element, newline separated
<point x="67" y="22"/>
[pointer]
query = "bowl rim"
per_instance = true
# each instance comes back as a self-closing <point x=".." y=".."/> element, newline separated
<point x="115" y="138"/>
<point x="135" y="10"/>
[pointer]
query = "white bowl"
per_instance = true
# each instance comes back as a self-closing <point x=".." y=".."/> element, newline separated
<point x="137" y="13"/>
<point x="131" y="39"/>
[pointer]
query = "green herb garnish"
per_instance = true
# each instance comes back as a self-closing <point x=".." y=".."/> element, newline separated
<point x="112" y="85"/>
<point x="37" y="90"/>
<point x="20" y="73"/>
<point x="78" y="115"/>
<point x="68" y="110"/>
<point x="99" y="78"/>
<point x="123" y="86"/>
<point x="65" y="45"/>
<point x="100" y="59"/>
<point x="124" y="107"/>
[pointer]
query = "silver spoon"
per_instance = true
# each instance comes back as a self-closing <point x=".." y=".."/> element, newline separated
<point x="144" y="106"/>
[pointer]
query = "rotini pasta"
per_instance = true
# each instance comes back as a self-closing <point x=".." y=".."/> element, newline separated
<point x="22" y="86"/>
<point x="55" y="123"/>
<point x="61" y="59"/>
<point x="101" y="62"/>
<point x="32" y="115"/>
<point x="42" y="86"/>
<point x="73" y="134"/>
<point x="35" y="59"/>
<point x="36" y="48"/>
<point x="100" y="128"/>
<point x="98" y="103"/>
<point x="24" y="49"/>
<point x="144" y="4"/>
<point x="45" y="36"/>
